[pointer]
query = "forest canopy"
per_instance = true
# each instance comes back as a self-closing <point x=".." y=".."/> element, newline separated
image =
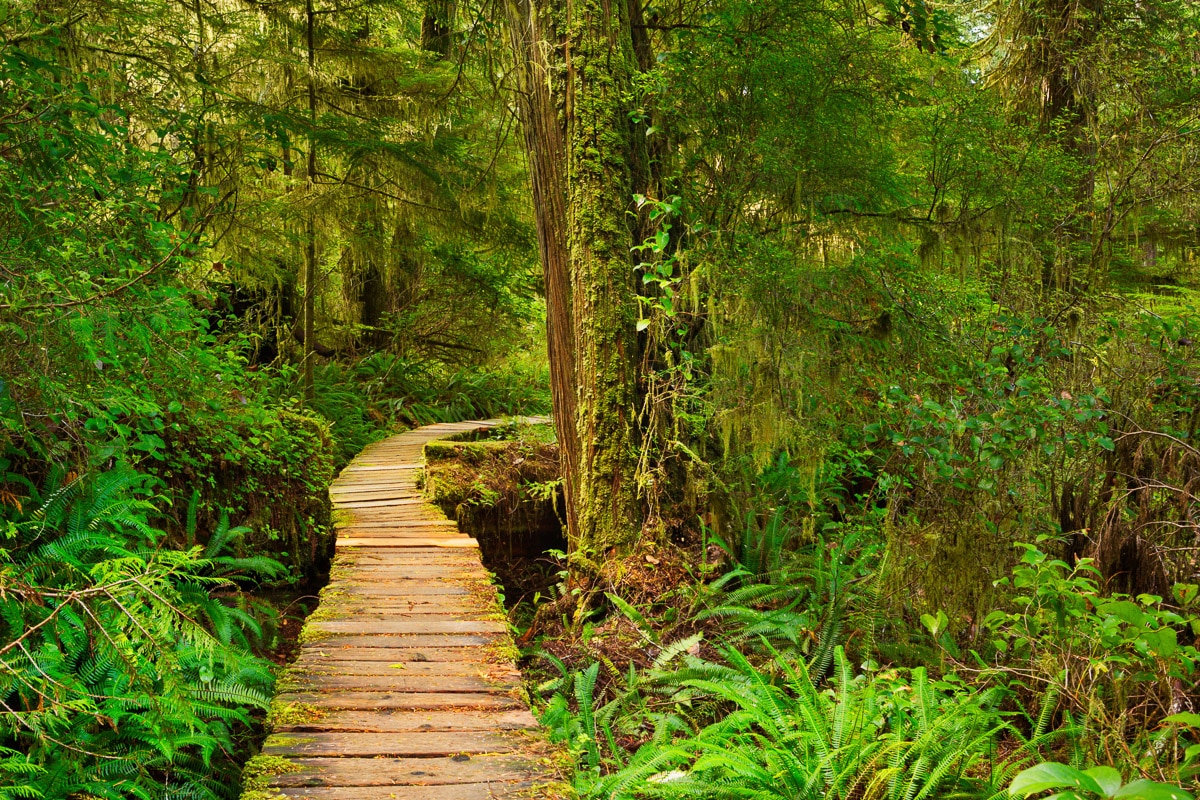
<point x="869" y="329"/>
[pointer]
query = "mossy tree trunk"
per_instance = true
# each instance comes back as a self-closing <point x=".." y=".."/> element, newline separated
<point x="310" y="227"/>
<point x="574" y="81"/>
<point x="600" y="64"/>
<point x="1057" y="76"/>
<point x="437" y="26"/>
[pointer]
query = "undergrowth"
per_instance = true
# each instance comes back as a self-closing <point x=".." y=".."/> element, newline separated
<point x="127" y="667"/>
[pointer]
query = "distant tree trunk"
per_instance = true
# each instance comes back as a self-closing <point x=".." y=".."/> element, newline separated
<point x="600" y="64"/>
<point x="1050" y="71"/>
<point x="545" y="146"/>
<point x="310" y="227"/>
<point x="437" y="26"/>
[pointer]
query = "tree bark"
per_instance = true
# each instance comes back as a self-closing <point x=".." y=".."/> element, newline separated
<point x="310" y="225"/>
<point x="600" y="63"/>
<point x="545" y="147"/>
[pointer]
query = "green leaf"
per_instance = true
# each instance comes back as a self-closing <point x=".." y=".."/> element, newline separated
<point x="1108" y="778"/>
<point x="1052" y="775"/>
<point x="1187" y="719"/>
<point x="1124" y="610"/>
<point x="933" y="624"/>
<point x="1149" y="790"/>
<point x="1163" y="642"/>
<point x="642" y="324"/>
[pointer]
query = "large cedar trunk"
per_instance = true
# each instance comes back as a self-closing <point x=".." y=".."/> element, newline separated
<point x="600" y="64"/>
<point x="579" y="160"/>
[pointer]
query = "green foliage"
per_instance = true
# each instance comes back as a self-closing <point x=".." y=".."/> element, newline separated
<point x="1095" y="782"/>
<point x="383" y="392"/>
<point x="805" y="601"/>
<point x="124" y="672"/>
<point x="1113" y="661"/>
<point x="778" y="732"/>
<point x="993" y="411"/>
<point x="919" y="286"/>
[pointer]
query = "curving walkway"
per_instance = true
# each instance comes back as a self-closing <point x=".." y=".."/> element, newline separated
<point x="405" y="686"/>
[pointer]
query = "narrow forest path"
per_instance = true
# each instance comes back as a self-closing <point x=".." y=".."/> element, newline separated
<point x="405" y="686"/>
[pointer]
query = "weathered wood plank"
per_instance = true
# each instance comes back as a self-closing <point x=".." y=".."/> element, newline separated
<point x="392" y="642"/>
<point x="395" y="655"/>
<point x="401" y="567"/>
<point x="415" y="624"/>
<point x="408" y="541"/>
<point x="309" y="665"/>
<point x="392" y="721"/>
<point x="413" y="466"/>
<point x="368" y="556"/>
<point x="356" y="521"/>
<point x="460" y="791"/>
<point x="405" y="701"/>
<point x="403" y="689"/>
<point x="396" y="521"/>
<point x="398" y="491"/>
<point x="331" y="679"/>
<point x="356" y="504"/>
<point x="315" y="681"/>
<point x="406" y="604"/>
<point x="406" y="771"/>
<point x="396" y="745"/>
<point x="402" y="588"/>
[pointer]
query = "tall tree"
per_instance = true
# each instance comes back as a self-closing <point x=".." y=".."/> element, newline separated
<point x="584" y="157"/>
<point x="600" y="64"/>
<point x="531" y="30"/>
<point x="1047" y="65"/>
<point x="310" y="223"/>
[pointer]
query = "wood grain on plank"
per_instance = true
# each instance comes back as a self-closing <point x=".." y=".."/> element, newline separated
<point x="494" y="790"/>
<point x="397" y="744"/>
<point x="407" y="771"/>
<point x="393" y="721"/>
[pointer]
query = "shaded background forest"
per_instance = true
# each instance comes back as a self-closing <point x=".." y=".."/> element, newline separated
<point x="917" y="286"/>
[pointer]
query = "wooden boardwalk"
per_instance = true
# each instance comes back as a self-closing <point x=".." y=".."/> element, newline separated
<point x="405" y="686"/>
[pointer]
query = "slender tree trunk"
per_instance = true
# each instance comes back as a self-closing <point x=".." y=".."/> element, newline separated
<point x="600" y="63"/>
<point x="310" y="227"/>
<point x="545" y="146"/>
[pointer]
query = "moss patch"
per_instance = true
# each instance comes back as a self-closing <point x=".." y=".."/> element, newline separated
<point x="286" y="715"/>
<point x="258" y="773"/>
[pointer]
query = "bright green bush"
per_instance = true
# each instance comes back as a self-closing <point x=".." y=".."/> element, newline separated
<point x="1115" y="664"/>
